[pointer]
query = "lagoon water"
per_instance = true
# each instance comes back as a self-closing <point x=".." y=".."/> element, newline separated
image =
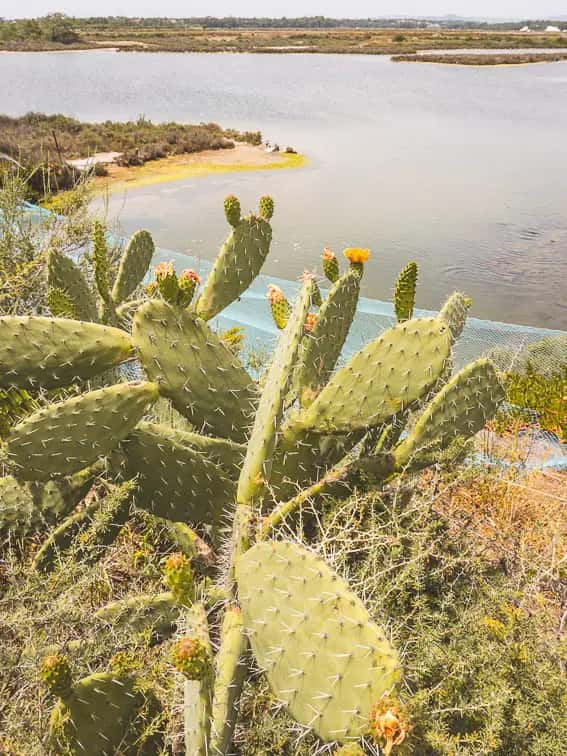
<point x="462" y="169"/>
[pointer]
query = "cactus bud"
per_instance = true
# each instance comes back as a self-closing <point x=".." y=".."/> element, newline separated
<point x="281" y="308"/>
<point x="56" y="674"/>
<point x="188" y="281"/>
<point x="152" y="289"/>
<point x="310" y="321"/>
<point x="166" y="279"/>
<point x="232" y="210"/>
<point x="178" y="577"/>
<point x="388" y="723"/>
<point x="190" y="656"/>
<point x="266" y="207"/>
<point x="330" y="265"/>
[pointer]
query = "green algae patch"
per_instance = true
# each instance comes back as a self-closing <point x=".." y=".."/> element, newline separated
<point x="198" y="165"/>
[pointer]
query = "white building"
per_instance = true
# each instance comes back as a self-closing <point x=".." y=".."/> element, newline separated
<point x="553" y="29"/>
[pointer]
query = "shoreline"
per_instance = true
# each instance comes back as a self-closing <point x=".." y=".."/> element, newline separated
<point x="482" y="60"/>
<point x="244" y="157"/>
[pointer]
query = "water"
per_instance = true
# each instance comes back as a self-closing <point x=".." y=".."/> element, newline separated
<point x="461" y="169"/>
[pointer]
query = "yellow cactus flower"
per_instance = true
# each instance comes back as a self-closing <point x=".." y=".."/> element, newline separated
<point x="357" y="255"/>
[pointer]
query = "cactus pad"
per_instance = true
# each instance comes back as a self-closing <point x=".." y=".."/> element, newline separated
<point x="104" y="714"/>
<point x="134" y="265"/>
<point x="454" y="312"/>
<point x="323" y="656"/>
<point x="66" y="437"/>
<point x="461" y="408"/>
<point x="262" y="442"/>
<point x="385" y="377"/>
<point x="193" y="368"/>
<point x="50" y="352"/>
<point x="65" y="275"/>
<point x="174" y="481"/>
<point x="404" y="293"/>
<point x="322" y="348"/>
<point x="238" y="263"/>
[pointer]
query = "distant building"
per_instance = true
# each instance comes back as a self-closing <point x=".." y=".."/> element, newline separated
<point x="553" y="29"/>
<point x="525" y="29"/>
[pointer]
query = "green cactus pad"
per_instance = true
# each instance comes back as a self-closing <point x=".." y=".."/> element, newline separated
<point x="63" y="536"/>
<point x="323" y="656"/>
<point x="196" y="666"/>
<point x="461" y="408"/>
<point x="227" y="453"/>
<point x="454" y="312"/>
<point x="158" y="613"/>
<point x="174" y="481"/>
<point x="50" y="352"/>
<point x="193" y="368"/>
<point x="100" y="261"/>
<point x="60" y="305"/>
<point x="390" y="373"/>
<point x="404" y="293"/>
<point x="104" y="714"/>
<point x="68" y="436"/>
<point x="30" y="508"/>
<point x="230" y="672"/>
<point x="65" y="275"/>
<point x="238" y="263"/>
<point x="134" y="264"/>
<point x="322" y="347"/>
<point x="257" y="463"/>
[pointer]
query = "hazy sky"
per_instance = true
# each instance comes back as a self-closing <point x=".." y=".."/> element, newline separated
<point x="352" y="8"/>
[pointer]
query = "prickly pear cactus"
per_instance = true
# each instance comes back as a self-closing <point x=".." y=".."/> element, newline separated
<point x="322" y="347"/>
<point x="30" y="508"/>
<point x="461" y="408"/>
<point x="174" y="481"/>
<point x="51" y="352"/>
<point x="454" y="312"/>
<point x="66" y="276"/>
<point x="390" y="373"/>
<point x="240" y="259"/>
<point x="194" y="369"/>
<point x="323" y="656"/>
<point x="134" y="264"/>
<point x="404" y="293"/>
<point x="80" y="722"/>
<point x="262" y="442"/>
<point x="69" y="436"/>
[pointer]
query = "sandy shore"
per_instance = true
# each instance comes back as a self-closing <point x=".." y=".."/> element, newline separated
<point x="244" y="157"/>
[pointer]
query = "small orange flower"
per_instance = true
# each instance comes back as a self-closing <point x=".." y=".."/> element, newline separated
<point x="328" y="254"/>
<point x="357" y="255"/>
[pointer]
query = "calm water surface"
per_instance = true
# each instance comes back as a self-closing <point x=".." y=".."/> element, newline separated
<point x="461" y="169"/>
